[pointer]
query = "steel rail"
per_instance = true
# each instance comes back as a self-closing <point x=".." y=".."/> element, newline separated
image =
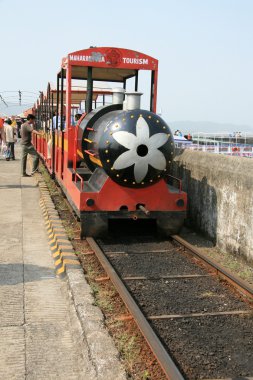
<point x="237" y="282"/>
<point x="169" y="367"/>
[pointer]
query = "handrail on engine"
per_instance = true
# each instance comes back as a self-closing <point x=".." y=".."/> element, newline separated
<point x="177" y="179"/>
<point x="82" y="181"/>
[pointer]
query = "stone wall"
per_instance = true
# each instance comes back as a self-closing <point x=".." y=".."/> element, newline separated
<point x="220" y="198"/>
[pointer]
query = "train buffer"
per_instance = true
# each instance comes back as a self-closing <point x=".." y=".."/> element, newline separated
<point x="41" y="334"/>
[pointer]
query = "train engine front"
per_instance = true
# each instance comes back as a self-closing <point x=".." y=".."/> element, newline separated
<point x="128" y="152"/>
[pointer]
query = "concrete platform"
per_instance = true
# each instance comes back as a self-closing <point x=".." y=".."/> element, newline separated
<point x="42" y="336"/>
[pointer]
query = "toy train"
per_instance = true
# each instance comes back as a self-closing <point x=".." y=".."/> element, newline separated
<point x="114" y="163"/>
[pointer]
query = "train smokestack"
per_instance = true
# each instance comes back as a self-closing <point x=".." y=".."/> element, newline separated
<point x="133" y="101"/>
<point x="118" y="95"/>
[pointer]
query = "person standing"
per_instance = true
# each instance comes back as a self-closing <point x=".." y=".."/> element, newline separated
<point x="1" y="129"/>
<point x="27" y="147"/>
<point x="15" y="127"/>
<point x="13" y="122"/>
<point x="10" y="139"/>
<point x="77" y="117"/>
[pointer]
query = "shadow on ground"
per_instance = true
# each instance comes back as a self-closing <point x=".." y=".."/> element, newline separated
<point x="17" y="186"/>
<point x="13" y="274"/>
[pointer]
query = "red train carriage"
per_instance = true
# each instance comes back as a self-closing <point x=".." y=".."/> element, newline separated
<point x="115" y="162"/>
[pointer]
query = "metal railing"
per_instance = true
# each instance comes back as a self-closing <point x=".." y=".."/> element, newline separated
<point x="171" y="180"/>
<point x="81" y="179"/>
<point x="236" y="144"/>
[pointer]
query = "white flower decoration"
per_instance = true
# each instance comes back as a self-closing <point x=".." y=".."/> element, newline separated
<point x="143" y="150"/>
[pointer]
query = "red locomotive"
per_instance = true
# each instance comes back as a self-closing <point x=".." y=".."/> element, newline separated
<point x="115" y="162"/>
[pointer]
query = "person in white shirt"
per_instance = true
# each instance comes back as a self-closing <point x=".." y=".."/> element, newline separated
<point x="53" y="123"/>
<point x="10" y="139"/>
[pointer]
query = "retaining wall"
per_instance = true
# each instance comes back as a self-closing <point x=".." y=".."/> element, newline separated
<point x="220" y="198"/>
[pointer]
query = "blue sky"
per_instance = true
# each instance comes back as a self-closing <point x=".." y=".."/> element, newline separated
<point x="204" y="48"/>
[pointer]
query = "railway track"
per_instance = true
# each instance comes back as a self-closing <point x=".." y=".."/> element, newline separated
<point x="196" y="316"/>
<point x="197" y="324"/>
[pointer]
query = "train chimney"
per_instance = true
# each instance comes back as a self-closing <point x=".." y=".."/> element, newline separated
<point x="118" y="95"/>
<point x="133" y="101"/>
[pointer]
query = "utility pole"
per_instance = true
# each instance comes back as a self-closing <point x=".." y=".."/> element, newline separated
<point x="19" y="95"/>
<point x="1" y="98"/>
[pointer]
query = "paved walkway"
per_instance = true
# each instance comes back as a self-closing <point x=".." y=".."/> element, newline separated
<point x="41" y="337"/>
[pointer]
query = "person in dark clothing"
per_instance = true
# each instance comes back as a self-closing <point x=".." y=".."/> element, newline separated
<point x="19" y="123"/>
<point x="77" y="117"/>
<point x="27" y="147"/>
